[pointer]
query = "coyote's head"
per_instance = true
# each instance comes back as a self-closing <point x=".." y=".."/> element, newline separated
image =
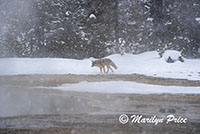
<point x="93" y="63"/>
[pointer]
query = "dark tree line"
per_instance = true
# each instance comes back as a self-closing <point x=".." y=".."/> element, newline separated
<point x="97" y="28"/>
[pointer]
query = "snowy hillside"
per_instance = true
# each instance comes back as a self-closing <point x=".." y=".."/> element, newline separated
<point x="148" y="63"/>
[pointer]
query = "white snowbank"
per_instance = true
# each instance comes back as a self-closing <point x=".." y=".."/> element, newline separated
<point x="125" y="87"/>
<point x="147" y="63"/>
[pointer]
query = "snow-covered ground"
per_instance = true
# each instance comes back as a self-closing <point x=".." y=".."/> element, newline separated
<point x="125" y="87"/>
<point x="148" y="63"/>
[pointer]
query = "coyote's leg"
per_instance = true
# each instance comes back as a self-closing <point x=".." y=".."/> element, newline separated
<point x="104" y="69"/>
<point x="100" y="69"/>
<point x="111" y="69"/>
<point x="108" y="68"/>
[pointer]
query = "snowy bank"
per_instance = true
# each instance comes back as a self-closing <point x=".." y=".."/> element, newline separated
<point x="125" y="87"/>
<point x="148" y="63"/>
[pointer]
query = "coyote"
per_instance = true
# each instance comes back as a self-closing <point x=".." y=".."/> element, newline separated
<point x="101" y="63"/>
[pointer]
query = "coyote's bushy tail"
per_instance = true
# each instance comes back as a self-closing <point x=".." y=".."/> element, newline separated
<point x="113" y="64"/>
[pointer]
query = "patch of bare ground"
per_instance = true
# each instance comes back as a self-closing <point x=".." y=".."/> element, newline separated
<point x="53" y="80"/>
